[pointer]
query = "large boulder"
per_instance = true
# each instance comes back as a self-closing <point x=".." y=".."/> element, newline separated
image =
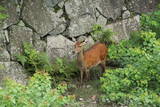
<point x="39" y="44"/>
<point x="14" y="71"/>
<point x="18" y="36"/>
<point x="52" y="3"/>
<point x="76" y="8"/>
<point x="110" y="8"/>
<point x="90" y="41"/>
<point x="4" y="54"/>
<point x="59" y="46"/>
<point x="141" y="6"/>
<point x="81" y="25"/>
<point x="123" y="28"/>
<point x="101" y="20"/>
<point x="43" y="19"/>
<point x="12" y="9"/>
<point x="82" y="14"/>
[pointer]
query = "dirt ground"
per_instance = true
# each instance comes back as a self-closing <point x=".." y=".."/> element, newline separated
<point x="88" y="94"/>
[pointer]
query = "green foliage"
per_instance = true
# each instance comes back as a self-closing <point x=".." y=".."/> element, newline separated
<point x="2" y="67"/>
<point x="2" y="15"/>
<point x="57" y="8"/>
<point x="38" y="93"/>
<point x="131" y="86"/>
<point x="2" y="8"/>
<point x="33" y="60"/>
<point x="142" y="45"/>
<point x="136" y="84"/>
<point x="64" y="70"/>
<point x="151" y="22"/>
<point x="101" y="34"/>
<point x="61" y="70"/>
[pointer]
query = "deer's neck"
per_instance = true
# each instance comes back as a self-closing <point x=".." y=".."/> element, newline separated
<point x="80" y="58"/>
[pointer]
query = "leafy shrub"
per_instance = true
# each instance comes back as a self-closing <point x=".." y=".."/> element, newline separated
<point x="131" y="86"/>
<point x="2" y="15"/>
<point x="101" y="34"/>
<point x="137" y="82"/>
<point x="64" y="70"/>
<point x="33" y="60"/>
<point x="151" y="22"/>
<point x="141" y="45"/>
<point x="61" y="70"/>
<point x="38" y="93"/>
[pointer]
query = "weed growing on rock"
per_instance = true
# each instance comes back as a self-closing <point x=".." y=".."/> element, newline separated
<point x="102" y="35"/>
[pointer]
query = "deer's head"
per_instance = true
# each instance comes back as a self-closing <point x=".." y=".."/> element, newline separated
<point x="78" y="46"/>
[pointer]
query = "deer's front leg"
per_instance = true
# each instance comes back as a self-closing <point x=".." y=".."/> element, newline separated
<point x="81" y="75"/>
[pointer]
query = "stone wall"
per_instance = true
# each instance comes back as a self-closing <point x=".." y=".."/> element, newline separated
<point x="52" y="25"/>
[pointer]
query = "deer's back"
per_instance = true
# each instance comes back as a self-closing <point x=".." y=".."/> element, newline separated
<point x="95" y="55"/>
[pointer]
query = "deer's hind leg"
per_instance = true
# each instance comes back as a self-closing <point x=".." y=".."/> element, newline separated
<point x="103" y="65"/>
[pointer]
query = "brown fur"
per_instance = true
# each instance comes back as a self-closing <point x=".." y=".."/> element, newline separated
<point x="92" y="57"/>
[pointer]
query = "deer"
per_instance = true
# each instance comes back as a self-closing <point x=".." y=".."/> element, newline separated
<point x="87" y="59"/>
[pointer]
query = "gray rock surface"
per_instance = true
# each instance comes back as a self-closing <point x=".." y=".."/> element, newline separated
<point x="110" y="8"/>
<point x="81" y="25"/>
<point x="101" y="20"/>
<point x="123" y="28"/>
<point x="4" y="55"/>
<point x="12" y="10"/>
<point x="59" y="46"/>
<point x="43" y="19"/>
<point x="38" y="43"/>
<point x="13" y="71"/>
<point x="90" y="40"/>
<point x="90" y="43"/>
<point x="52" y="3"/>
<point x="126" y="14"/>
<point x="141" y="6"/>
<point x="81" y="15"/>
<point x="18" y="36"/>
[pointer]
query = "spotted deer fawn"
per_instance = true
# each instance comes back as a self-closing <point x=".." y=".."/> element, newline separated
<point x="96" y="55"/>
